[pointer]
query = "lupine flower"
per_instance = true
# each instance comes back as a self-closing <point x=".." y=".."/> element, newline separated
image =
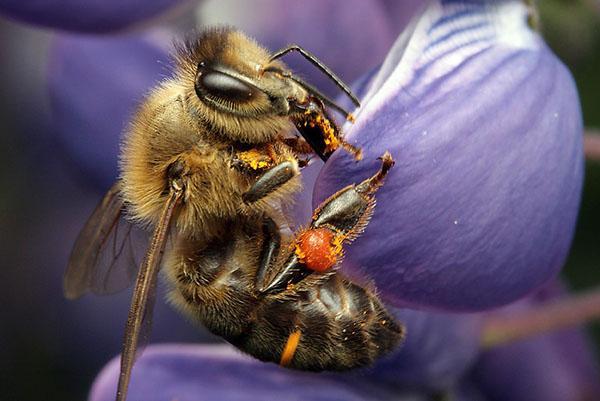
<point x="484" y="124"/>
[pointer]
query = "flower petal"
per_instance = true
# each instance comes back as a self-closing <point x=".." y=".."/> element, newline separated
<point x="95" y="84"/>
<point x="349" y="36"/>
<point x="401" y="12"/>
<point x="439" y="349"/>
<point x="485" y="127"/>
<point x="218" y="372"/>
<point x="558" y="366"/>
<point x="85" y="16"/>
<point x="552" y="367"/>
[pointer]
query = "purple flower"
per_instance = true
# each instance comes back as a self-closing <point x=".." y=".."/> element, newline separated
<point x="485" y="126"/>
<point x="85" y="16"/>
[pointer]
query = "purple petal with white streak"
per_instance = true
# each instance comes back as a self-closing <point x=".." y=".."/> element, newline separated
<point x="485" y="126"/>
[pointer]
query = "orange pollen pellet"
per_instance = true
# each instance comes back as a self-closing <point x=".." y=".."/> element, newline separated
<point x="318" y="249"/>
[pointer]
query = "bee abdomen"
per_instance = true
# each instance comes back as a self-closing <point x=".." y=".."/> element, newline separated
<point x="342" y="326"/>
<point x="212" y="282"/>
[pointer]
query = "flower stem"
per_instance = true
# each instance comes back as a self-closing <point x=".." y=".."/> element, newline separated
<point x="562" y="313"/>
<point x="591" y="144"/>
<point x="593" y="5"/>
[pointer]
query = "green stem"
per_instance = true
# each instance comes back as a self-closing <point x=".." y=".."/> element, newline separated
<point x="560" y="314"/>
<point x="591" y="144"/>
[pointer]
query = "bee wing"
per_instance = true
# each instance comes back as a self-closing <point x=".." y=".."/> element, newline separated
<point x="107" y="251"/>
<point x="142" y="302"/>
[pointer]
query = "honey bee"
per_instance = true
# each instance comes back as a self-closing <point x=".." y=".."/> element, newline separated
<point x="208" y="164"/>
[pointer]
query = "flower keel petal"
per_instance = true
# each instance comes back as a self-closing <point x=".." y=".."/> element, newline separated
<point x="485" y="126"/>
<point x="218" y="372"/>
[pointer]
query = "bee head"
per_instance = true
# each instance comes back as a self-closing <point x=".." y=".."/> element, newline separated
<point x="240" y="90"/>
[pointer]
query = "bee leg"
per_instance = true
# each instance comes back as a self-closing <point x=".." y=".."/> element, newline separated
<point x="270" y="249"/>
<point x="339" y="219"/>
<point x="302" y="149"/>
<point x="299" y="145"/>
<point x="270" y="181"/>
<point x="347" y="212"/>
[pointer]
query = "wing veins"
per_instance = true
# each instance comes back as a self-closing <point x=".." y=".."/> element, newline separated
<point x="117" y="253"/>
<point x="90" y="243"/>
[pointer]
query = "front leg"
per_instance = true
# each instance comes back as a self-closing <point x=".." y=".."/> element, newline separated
<point x="277" y="165"/>
<point x="272" y="180"/>
<point x="299" y="145"/>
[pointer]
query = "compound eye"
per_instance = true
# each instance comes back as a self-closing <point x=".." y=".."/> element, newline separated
<point x="221" y="85"/>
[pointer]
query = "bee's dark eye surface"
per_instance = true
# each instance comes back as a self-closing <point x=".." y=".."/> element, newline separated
<point x="221" y="85"/>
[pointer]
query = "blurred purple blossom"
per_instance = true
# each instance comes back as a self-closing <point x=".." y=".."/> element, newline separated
<point x="556" y="366"/>
<point x="85" y="16"/>
<point x="95" y="83"/>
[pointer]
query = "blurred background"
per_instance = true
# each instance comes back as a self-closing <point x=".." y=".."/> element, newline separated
<point x="51" y="348"/>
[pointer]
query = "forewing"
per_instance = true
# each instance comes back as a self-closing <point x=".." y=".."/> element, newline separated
<point x="107" y="251"/>
<point x="142" y="302"/>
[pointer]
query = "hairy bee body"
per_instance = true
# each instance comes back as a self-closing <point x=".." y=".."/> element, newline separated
<point x="162" y="133"/>
<point x="213" y="266"/>
<point x="209" y="162"/>
<point x="343" y="325"/>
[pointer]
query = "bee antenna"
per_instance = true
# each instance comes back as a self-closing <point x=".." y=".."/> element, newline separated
<point x="314" y="91"/>
<point x="324" y="69"/>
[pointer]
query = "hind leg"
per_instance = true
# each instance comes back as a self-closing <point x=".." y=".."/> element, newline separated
<point x="338" y="220"/>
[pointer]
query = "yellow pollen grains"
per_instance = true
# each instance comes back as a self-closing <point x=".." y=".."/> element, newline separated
<point x="254" y="159"/>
